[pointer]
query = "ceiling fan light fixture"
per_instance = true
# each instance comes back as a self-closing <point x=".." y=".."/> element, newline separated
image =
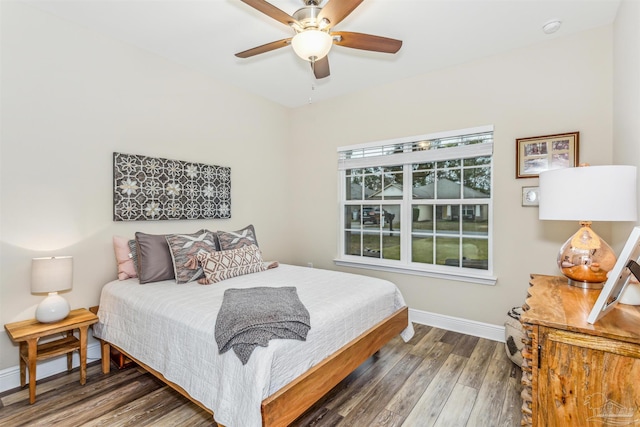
<point x="312" y="45"/>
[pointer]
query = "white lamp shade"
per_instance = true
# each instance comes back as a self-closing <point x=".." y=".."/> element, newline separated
<point x="589" y="193"/>
<point x="51" y="274"/>
<point x="312" y="45"/>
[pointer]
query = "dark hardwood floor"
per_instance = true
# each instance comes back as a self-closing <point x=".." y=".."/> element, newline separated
<point x="439" y="378"/>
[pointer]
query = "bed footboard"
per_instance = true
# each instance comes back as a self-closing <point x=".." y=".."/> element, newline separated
<point x="291" y="401"/>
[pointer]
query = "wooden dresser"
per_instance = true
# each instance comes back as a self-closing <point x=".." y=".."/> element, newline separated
<point x="575" y="373"/>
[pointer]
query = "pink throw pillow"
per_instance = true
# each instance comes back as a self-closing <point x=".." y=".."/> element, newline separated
<point x="126" y="268"/>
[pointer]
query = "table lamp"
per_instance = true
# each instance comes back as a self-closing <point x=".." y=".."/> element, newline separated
<point x="586" y="194"/>
<point x="51" y="275"/>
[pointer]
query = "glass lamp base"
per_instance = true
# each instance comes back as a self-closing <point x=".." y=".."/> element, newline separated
<point x="586" y="285"/>
<point x="586" y="259"/>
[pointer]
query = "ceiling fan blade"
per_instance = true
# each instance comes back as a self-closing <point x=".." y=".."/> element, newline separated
<point x="271" y="11"/>
<point x="336" y="10"/>
<point x="366" y="42"/>
<point x="321" y="68"/>
<point x="264" y="48"/>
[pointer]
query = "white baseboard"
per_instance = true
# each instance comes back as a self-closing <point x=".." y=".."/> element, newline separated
<point x="456" y="324"/>
<point x="10" y="377"/>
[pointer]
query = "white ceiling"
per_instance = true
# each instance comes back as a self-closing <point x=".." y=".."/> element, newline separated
<point x="205" y="34"/>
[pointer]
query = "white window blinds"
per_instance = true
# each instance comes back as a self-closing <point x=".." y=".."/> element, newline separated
<point x="462" y="143"/>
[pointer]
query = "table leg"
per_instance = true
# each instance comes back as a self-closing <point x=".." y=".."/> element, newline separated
<point x="70" y="354"/>
<point x="32" y="354"/>
<point x="83" y="354"/>
<point x="23" y="364"/>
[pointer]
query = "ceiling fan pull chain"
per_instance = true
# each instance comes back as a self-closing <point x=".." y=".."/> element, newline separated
<point x="313" y="88"/>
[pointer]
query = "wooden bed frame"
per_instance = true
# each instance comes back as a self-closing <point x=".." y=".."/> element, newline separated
<point x="292" y="400"/>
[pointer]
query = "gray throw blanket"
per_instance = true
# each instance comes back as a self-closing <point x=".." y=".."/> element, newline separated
<point x="251" y="317"/>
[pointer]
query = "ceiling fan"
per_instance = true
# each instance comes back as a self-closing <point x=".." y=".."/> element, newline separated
<point x="314" y="38"/>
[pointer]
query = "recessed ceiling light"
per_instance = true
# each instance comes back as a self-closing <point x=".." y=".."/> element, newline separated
<point x="552" y="26"/>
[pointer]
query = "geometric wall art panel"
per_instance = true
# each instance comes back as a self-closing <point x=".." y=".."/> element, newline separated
<point x="151" y="189"/>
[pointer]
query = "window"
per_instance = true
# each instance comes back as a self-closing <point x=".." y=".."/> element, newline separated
<point x="421" y="205"/>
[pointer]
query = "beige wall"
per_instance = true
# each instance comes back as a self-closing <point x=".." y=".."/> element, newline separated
<point x="626" y="97"/>
<point x="559" y="86"/>
<point x="70" y="98"/>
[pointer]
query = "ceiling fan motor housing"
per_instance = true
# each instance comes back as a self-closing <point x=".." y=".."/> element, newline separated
<point x="307" y="17"/>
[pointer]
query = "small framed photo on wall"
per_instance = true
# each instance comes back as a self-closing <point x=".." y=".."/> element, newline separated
<point x="542" y="153"/>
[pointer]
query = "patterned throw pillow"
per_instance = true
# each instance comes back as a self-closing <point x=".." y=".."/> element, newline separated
<point x="184" y="248"/>
<point x="133" y="252"/>
<point x="222" y="265"/>
<point x="237" y="239"/>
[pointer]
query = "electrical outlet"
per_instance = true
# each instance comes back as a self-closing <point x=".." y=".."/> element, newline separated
<point x="310" y="264"/>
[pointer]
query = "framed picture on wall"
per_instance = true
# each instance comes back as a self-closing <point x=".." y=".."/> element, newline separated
<point x="542" y="153"/>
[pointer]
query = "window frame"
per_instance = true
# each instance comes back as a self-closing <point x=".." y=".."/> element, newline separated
<point x="405" y="264"/>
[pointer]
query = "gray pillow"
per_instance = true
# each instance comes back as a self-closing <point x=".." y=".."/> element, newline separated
<point x="184" y="248"/>
<point x="154" y="258"/>
<point x="237" y="239"/>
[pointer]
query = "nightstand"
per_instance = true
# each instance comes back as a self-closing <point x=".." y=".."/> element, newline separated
<point x="28" y="332"/>
<point x="573" y="372"/>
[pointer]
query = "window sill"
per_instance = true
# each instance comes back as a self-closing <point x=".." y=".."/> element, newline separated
<point x="464" y="275"/>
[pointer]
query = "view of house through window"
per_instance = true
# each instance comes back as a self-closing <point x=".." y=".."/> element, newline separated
<point x="421" y="203"/>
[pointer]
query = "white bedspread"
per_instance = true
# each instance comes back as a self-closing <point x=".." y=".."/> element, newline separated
<point x="170" y="328"/>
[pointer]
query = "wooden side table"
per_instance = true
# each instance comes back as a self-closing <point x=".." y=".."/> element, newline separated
<point x="575" y="373"/>
<point x="28" y="332"/>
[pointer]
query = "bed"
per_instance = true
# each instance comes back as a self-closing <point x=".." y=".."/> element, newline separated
<point x="169" y="330"/>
